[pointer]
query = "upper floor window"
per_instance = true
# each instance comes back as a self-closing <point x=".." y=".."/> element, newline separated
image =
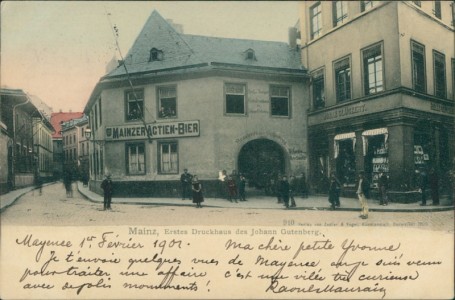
<point x="235" y="98"/>
<point x="343" y="79"/>
<point x="340" y="12"/>
<point x="155" y="54"/>
<point x="439" y="64"/>
<point x="418" y="67"/>
<point x="418" y="3"/>
<point x="280" y="100"/>
<point x="373" y="70"/>
<point x="316" y="20"/>
<point x="135" y="159"/>
<point x="437" y="9"/>
<point x="167" y="102"/>
<point x="366" y="5"/>
<point x="318" y="90"/>
<point x="134" y="105"/>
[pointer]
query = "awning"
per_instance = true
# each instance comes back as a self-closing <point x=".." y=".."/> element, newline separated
<point x="340" y="137"/>
<point x="372" y="132"/>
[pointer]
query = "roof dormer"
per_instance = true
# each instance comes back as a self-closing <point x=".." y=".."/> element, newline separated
<point x="250" y="55"/>
<point x="155" y="55"/>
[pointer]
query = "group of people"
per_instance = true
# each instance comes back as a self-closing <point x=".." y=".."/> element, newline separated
<point x="233" y="186"/>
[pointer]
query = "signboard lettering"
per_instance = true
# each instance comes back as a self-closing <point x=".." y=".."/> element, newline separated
<point x="155" y="131"/>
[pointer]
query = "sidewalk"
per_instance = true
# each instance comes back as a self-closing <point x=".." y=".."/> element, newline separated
<point x="260" y="202"/>
<point x="267" y="202"/>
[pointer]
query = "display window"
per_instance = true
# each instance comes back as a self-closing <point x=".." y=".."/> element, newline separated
<point x="376" y="156"/>
<point x="345" y="158"/>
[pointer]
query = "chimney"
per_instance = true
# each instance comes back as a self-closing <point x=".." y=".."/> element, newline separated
<point x="292" y="37"/>
<point x="177" y="27"/>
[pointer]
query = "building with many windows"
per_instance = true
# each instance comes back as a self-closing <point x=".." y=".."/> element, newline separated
<point x="201" y="103"/>
<point x="75" y="146"/>
<point x="22" y="127"/>
<point x="382" y="89"/>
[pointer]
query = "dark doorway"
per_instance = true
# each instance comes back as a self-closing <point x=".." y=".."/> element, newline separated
<point x="260" y="160"/>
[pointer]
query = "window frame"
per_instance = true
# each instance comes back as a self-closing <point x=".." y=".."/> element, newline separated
<point x="160" y="157"/>
<point x="158" y="101"/>
<point x="315" y="34"/>
<point x="289" y="97"/>
<point x="127" y="158"/>
<point x="245" y="93"/>
<point x="316" y="77"/>
<point x="437" y="10"/>
<point x="366" y="88"/>
<point x="127" y="101"/>
<point x="413" y="70"/>
<point x="335" y="76"/>
<point x="155" y="55"/>
<point x="435" y="80"/>
<point x="338" y="20"/>
<point x="366" y="5"/>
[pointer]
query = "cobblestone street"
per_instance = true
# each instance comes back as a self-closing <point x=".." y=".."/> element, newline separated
<point x="52" y="208"/>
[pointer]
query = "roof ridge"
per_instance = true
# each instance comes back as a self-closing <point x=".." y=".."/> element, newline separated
<point x="237" y="39"/>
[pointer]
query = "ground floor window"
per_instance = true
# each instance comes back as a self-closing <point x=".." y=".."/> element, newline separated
<point x="168" y="157"/>
<point x="135" y="156"/>
<point x="345" y="158"/>
<point x="375" y="153"/>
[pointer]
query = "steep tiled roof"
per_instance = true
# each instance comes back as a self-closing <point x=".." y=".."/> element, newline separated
<point x="58" y="118"/>
<point x="182" y="50"/>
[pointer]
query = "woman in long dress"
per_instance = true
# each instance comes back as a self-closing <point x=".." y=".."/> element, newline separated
<point x="198" y="198"/>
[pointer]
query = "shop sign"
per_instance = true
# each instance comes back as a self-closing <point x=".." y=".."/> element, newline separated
<point x="442" y="108"/>
<point x="154" y="131"/>
<point x="345" y="111"/>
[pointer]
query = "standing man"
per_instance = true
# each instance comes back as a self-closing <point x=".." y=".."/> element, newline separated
<point x="293" y="187"/>
<point x="242" y="187"/>
<point x="363" y="189"/>
<point x="283" y="190"/>
<point x="107" y="187"/>
<point x="383" y="183"/>
<point x="185" y="180"/>
<point x="423" y="182"/>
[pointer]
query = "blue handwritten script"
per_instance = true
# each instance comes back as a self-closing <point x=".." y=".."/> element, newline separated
<point x="283" y="263"/>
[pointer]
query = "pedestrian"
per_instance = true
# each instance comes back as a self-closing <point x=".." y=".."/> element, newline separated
<point x="334" y="191"/>
<point x="236" y="177"/>
<point x="383" y="185"/>
<point x="185" y="180"/>
<point x="293" y="187"/>
<point x="39" y="184"/>
<point x="303" y="186"/>
<point x="423" y="183"/>
<point x="363" y="189"/>
<point x="277" y="188"/>
<point x="242" y="187"/>
<point x="232" y="189"/>
<point x="68" y="183"/>
<point x="196" y="187"/>
<point x="107" y="186"/>
<point x="283" y="190"/>
<point x="434" y="186"/>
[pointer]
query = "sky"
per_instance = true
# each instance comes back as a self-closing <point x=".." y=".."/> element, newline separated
<point x="57" y="51"/>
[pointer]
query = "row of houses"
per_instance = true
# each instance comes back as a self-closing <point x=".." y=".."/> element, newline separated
<point x="32" y="142"/>
<point x="361" y="86"/>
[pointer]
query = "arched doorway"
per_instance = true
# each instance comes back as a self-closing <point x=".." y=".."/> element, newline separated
<point x="259" y="160"/>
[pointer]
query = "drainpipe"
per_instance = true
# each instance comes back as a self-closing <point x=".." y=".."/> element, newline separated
<point x="13" y="165"/>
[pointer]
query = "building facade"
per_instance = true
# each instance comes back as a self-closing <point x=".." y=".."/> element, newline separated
<point x="57" y="119"/>
<point x="18" y="115"/>
<point x="199" y="103"/>
<point x="75" y="146"/>
<point x="382" y="90"/>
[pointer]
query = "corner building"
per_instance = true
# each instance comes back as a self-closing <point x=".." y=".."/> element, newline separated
<point x="382" y="90"/>
<point x="202" y="103"/>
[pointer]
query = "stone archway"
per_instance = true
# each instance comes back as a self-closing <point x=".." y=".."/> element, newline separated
<point x="261" y="159"/>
